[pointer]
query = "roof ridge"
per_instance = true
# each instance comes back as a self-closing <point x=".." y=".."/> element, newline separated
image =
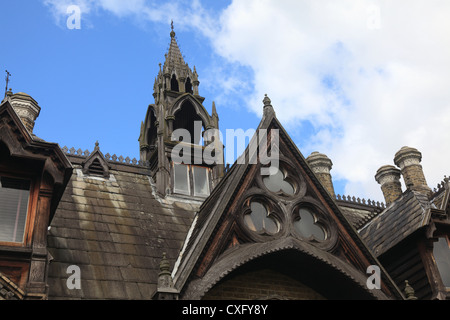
<point x="108" y="157"/>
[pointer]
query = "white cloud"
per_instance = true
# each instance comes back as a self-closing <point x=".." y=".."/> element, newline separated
<point x="368" y="84"/>
<point x="386" y="86"/>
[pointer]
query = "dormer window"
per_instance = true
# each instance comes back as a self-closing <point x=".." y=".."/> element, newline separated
<point x="191" y="180"/>
<point x="14" y="195"/>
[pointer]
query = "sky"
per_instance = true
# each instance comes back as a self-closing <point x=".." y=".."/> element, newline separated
<point x="354" y="79"/>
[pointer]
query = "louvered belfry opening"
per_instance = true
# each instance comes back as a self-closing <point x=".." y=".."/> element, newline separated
<point x="96" y="168"/>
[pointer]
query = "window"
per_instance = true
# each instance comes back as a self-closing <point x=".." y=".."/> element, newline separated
<point x="276" y="183"/>
<point x="259" y="220"/>
<point x="441" y="252"/>
<point x="14" y="194"/>
<point x="181" y="179"/>
<point x="191" y="180"/>
<point x="201" y="185"/>
<point x="306" y="225"/>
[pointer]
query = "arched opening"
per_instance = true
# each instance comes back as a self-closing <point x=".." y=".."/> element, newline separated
<point x="188" y="86"/>
<point x="174" y="84"/>
<point x="187" y="118"/>
<point x="287" y="274"/>
<point x="152" y="132"/>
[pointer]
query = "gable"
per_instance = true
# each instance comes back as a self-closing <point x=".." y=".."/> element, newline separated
<point x="251" y="210"/>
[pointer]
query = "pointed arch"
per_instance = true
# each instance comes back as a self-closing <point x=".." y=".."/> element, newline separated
<point x="319" y="270"/>
<point x="174" y="83"/>
<point x="148" y="130"/>
<point x="198" y="108"/>
<point x="188" y="85"/>
<point x="186" y="110"/>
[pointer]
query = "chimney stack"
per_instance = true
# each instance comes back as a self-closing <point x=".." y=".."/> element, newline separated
<point x="26" y="108"/>
<point x="389" y="179"/>
<point x="321" y="165"/>
<point x="408" y="160"/>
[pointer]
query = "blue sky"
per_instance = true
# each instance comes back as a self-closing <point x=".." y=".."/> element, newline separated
<point x="356" y="80"/>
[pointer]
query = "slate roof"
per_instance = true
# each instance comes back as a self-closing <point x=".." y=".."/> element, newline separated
<point x="116" y="231"/>
<point x="399" y="220"/>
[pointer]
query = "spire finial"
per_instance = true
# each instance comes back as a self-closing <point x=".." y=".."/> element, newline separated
<point x="268" y="109"/>
<point x="7" y="81"/>
<point x="172" y="33"/>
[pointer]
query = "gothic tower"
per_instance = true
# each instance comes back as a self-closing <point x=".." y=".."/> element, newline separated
<point x="178" y="138"/>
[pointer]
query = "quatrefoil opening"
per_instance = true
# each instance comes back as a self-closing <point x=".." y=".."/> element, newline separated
<point x="276" y="183"/>
<point x="260" y="220"/>
<point x="306" y="226"/>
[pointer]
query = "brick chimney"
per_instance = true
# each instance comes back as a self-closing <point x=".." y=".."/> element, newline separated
<point x="408" y="160"/>
<point x="321" y="165"/>
<point x="26" y="108"/>
<point x="389" y="179"/>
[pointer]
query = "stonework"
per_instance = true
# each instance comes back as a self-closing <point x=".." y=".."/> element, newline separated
<point x="408" y="160"/>
<point x="389" y="179"/>
<point x="321" y="166"/>
<point x="26" y="108"/>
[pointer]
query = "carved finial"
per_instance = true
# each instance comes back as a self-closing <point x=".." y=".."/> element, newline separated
<point x="268" y="109"/>
<point x="165" y="277"/>
<point x="409" y="291"/>
<point x="96" y="145"/>
<point x="172" y="33"/>
<point x="164" y="266"/>
<point x="266" y="100"/>
<point x="214" y="111"/>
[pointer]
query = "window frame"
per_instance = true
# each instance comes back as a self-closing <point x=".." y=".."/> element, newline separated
<point x="191" y="181"/>
<point x="192" y="167"/>
<point x="180" y="191"/>
<point x="31" y="210"/>
<point x="447" y="240"/>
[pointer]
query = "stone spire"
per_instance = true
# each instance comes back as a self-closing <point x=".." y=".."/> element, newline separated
<point x="174" y="58"/>
<point x="175" y="75"/>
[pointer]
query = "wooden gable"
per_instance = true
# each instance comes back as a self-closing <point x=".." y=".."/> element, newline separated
<point x="44" y="166"/>
<point x="224" y="236"/>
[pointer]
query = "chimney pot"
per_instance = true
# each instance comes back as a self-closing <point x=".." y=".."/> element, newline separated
<point x="389" y="179"/>
<point x="321" y="165"/>
<point x="408" y="160"/>
<point x="26" y="108"/>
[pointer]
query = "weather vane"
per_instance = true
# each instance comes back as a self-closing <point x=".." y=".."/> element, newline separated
<point x="171" y="25"/>
<point x="7" y="81"/>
